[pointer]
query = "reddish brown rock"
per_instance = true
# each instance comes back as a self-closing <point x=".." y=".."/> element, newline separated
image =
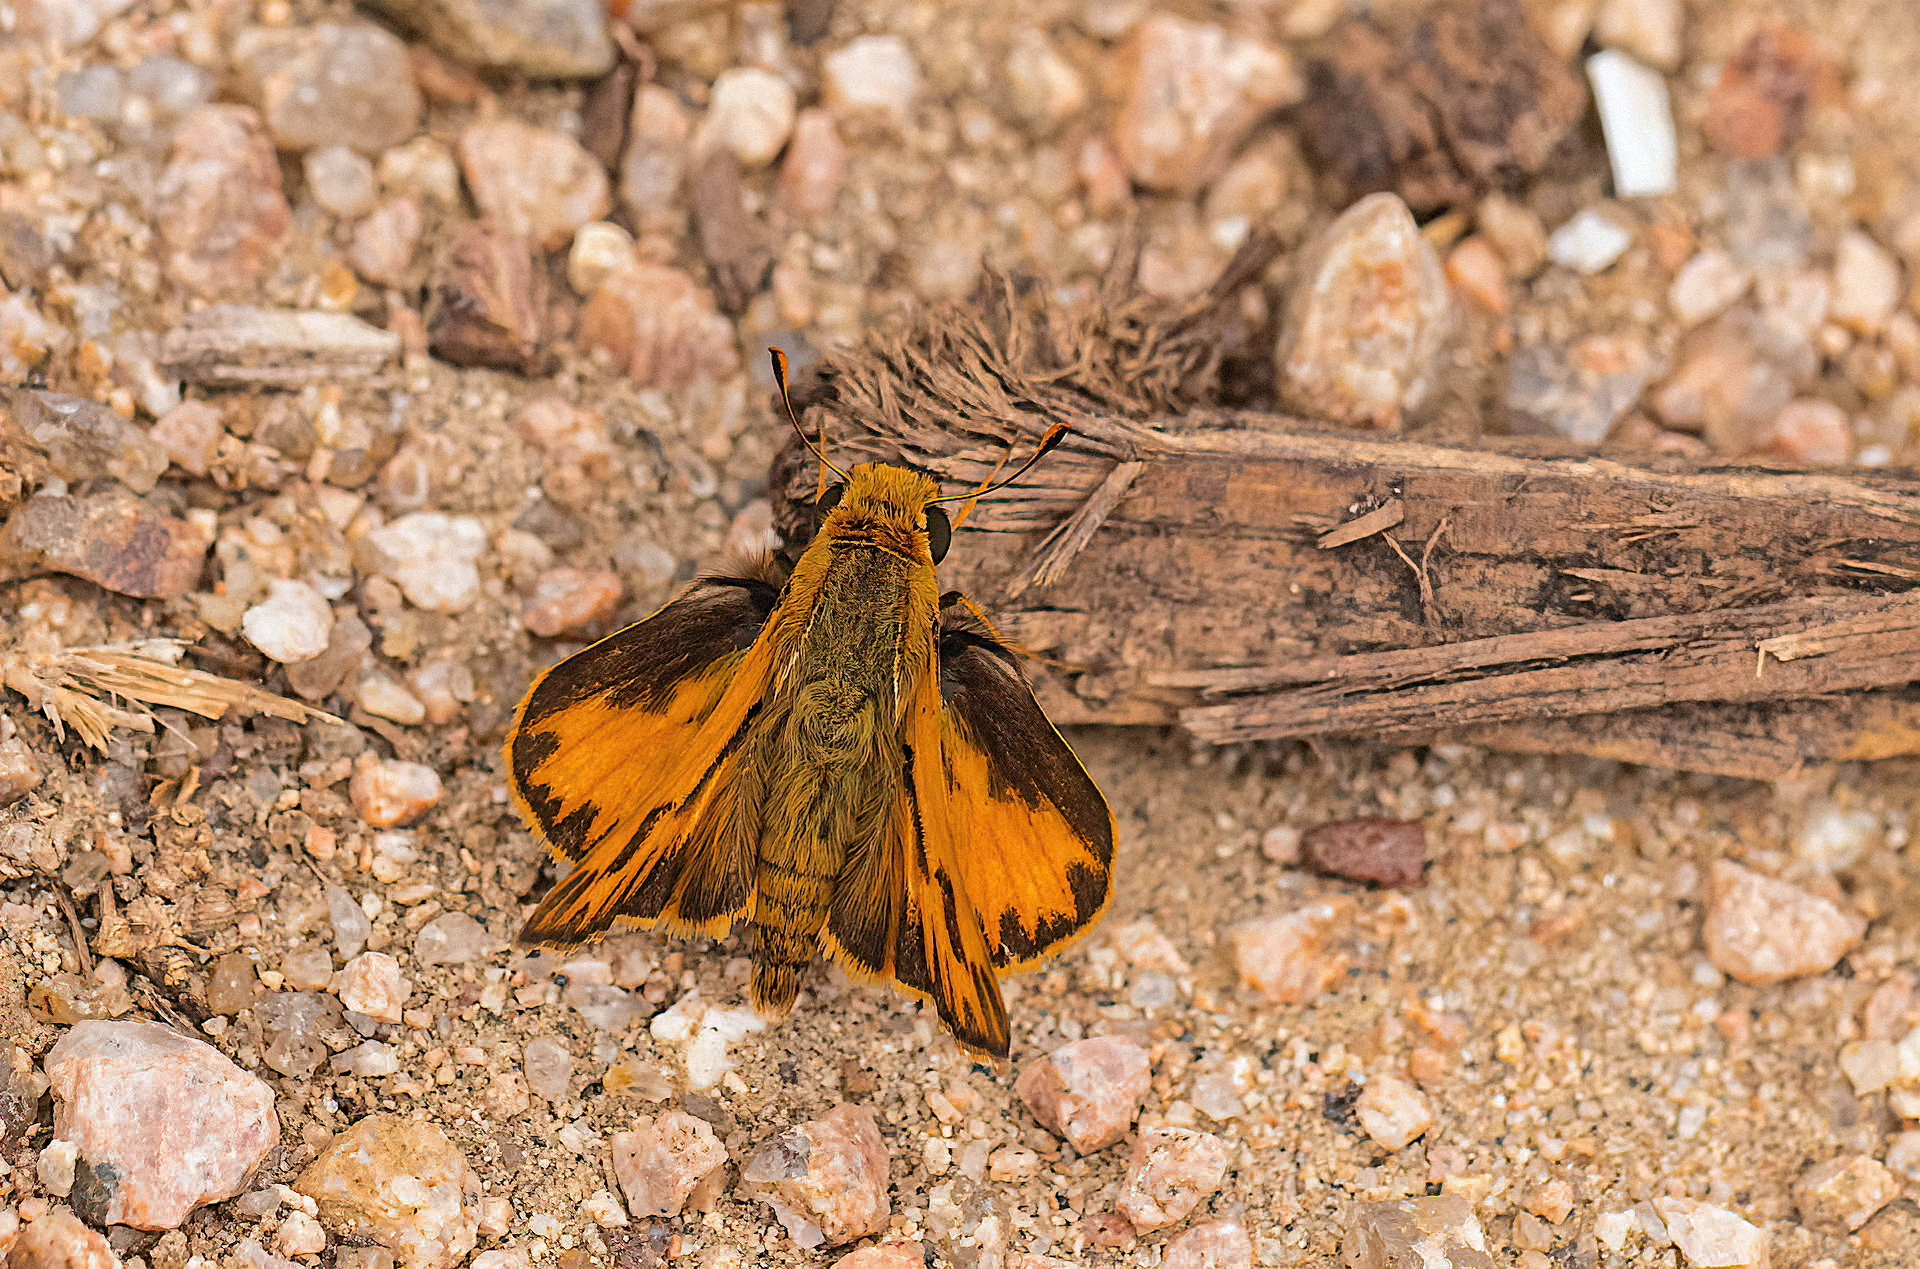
<point x="664" y="1160"/>
<point x="221" y="209"/>
<point x="1763" y="92"/>
<point x="1385" y="852"/>
<point x="487" y="302"/>
<point x="659" y="326"/>
<point x="111" y="539"/>
<point x="1171" y="1170"/>
<point x="1087" y="1092"/>
<point x="162" y="1123"/>
<point x="815" y="165"/>
<point x="826" y="1180"/>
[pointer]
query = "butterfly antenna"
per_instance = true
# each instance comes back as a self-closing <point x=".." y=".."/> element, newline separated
<point x="1048" y="443"/>
<point x="780" y="377"/>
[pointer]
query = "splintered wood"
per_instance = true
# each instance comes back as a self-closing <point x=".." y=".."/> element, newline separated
<point x="1253" y="577"/>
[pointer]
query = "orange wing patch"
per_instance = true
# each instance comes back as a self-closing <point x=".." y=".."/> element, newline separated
<point x="623" y="757"/>
<point x="1034" y="836"/>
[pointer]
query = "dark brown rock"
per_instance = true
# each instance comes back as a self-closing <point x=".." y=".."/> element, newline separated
<point x="1385" y="852"/>
<point x="733" y="242"/>
<point x="1471" y="99"/>
<point x="486" y="302"/>
<point x="111" y="539"/>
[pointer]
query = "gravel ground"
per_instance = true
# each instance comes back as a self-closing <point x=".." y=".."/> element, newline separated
<point x="480" y="505"/>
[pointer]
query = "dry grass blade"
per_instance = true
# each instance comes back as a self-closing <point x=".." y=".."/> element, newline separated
<point x="95" y="690"/>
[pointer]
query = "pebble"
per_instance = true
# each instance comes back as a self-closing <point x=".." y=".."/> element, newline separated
<point x="1171" y="1170"/>
<point x="1649" y="30"/>
<point x="190" y="433"/>
<point x="453" y="938"/>
<point x="653" y="166"/>
<point x="401" y="1183"/>
<point x="329" y="84"/>
<point x="1761" y="930"/>
<point x="1710" y="1235"/>
<point x="1254" y="187"/>
<point x="1087" y="1092"/>
<point x="351" y="927"/>
<point x="537" y="183"/>
<point x="424" y="170"/>
<point x="1811" y="432"/>
<point x="574" y="443"/>
<point x="1393" y="1112"/>
<point x="430" y="556"/>
<point x="1763" y="91"/>
<point x="299" y="1235"/>
<point x="1866" y="284"/>
<point x="502" y="1258"/>
<point x="825" y="1179"/>
<point x="162" y="1123"/>
<point x="56" y="1239"/>
<point x="1723" y="387"/>
<point x="1281" y="844"/>
<point x="1707" y="285"/>
<point x="340" y="180"/>
<point x="1384" y="852"/>
<point x="443" y="687"/>
<point x="891" y="1255"/>
<point x="488" y="305"/>
<point x="388" y="791"/>
<point x="750" y="112"/>
<point x="54" y="1165"/>
<point x="83" y="438"/>
<point x="1844" y="1193"/>
<point x="110" y="538"/>
<point x="26" y="337"/>
<point x="220" y="205"/>
<point x="565" y="600"/>
<point x="1286" y="958"/>
<point x="871" y="82"/>
<point x="67" y="22"/>
<point x="1515" y="232"/>
<point x="365" y="1060"/>
<point x="371" y="984"/>
<point x="21" y="1087"/>
<point x="1210" y="1245"/>
<point x="1366" y="319"/>
<point x="383" y="243"/>
<point x="1437" y="1232"/>
<point x="1637" y="121"/>
<point x="1045" y="88"/>
<point x="661" y="328"/>
<point x="291" y="1023"/>
<point x="815" y="166"/>
<point x="18" y="775"/>
<point x="1191" y="92"/>
<point x="291" y="624"/>
<point x="541" y="39"/>
<point x="384" y="696"/>
<point x="1476" y="270"/>
<point x="662" y="1161"/>
<point x="1903" y="1154"/>
<point x="1588" y="243"/>
<point x="599" y="247"/>
<point x="233" y="984"/>
<point x="548" y="1068"/>
<point x="228" y="344"/>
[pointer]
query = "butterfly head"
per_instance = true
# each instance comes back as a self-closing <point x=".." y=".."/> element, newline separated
<point x="891" y="507"/>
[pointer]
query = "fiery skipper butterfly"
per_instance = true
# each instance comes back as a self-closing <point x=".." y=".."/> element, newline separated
<point x="847" y="759"/>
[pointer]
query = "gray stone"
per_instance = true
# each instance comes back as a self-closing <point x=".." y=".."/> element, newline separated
<point x="545" y="39"/>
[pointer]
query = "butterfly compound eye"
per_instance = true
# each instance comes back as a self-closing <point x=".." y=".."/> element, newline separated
<point x="939" y="532"/>
<point x="830" y="499"/>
